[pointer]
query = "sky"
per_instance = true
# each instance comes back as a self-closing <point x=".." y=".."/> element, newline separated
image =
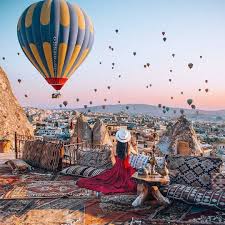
<point x="193" y="28"/>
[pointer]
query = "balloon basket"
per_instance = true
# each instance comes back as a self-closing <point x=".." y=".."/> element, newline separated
<point x="56" y="95"/>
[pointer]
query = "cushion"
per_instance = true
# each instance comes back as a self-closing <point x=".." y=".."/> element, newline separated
<point x="82" y="171"/>
<point x="193" y="170"/>
<point x="197" y="196"/>
<point x="218" y="181"/>
<point x="18" y="165"/>
<point x="97" y="159"/>
<point x="138" y="161"/>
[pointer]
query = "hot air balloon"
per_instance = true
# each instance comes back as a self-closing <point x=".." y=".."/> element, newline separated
<point x="206" y="90"/>
<point x="171" y="98"/>
<point x="89" y="110"/>
<point x="127" y="107"/>
<point x="105" y="100"/>
<point x="145" y="66"/>
<point x="18" y="53"/>
<point x="189" y="101"/>
<point x="90" y="102"/>
<point x="113" y="64"/>
<point x="164" y="107"/>
<point x="182" y="93"/>
<point x="164" y="39"/>
<point x="206" y="81"/>
<point x="182" y="111"/>
<point x="190" y="65"/>
<point x="109" y="87"/>
<point x="118" y="102"/>
<point x="3" y="58"/>
<point x="147" y="86"/>
<point x="56" y="37"/>
<point x="103" y="106"/>
<point x="164" y="111"/>
<point x="163" y="33"/>
<point x="193" y="106"/>
<point x="112" y="68"/>
<point x="170" y="80"/>
<point x="65" y="103"/>
<point x="95" y="90"/>
<point x="199" y="89"/>
<point x="150" y="85"/>
<point x="60" y="105"/>
<point x="85" y="106"/>
<point x="77" y="99"/>
<point x="134" y="53"/>
<point x="200" y="57"/>
<point x="174" y="111"/>
<point x="19" y="81"/>
<point x="116" y="30"/>
<point x="100" y="62"/>
<point x="171" y="71"/>
<point x="119" y="76"/>
<point x="173" y="55"/>
<point x="112" y="49"/>
<point x="167" y="109"/>
<point x="148" y="64"/>
<point x="26" y="96"/>
<point x="159" y="105"/>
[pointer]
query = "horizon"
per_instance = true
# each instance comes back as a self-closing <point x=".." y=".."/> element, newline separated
<point x="193" y="29"/>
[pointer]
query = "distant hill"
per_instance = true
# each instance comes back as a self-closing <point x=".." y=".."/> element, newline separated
<point x="158" y="112"/>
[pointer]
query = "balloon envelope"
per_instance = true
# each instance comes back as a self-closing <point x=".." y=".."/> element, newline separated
<point x="56" y="37"/>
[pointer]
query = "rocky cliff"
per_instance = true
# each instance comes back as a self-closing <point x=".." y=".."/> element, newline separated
<point x="12" y="116"/>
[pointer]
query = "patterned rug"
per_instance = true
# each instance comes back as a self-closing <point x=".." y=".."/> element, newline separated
<point x="46" y="189"/>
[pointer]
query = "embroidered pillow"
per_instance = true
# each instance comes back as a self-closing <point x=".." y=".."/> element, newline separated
<point x="218" y="181"/>
<point x="138" y="161"/>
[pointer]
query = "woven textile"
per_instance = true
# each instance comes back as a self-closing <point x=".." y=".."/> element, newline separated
<point x="196" y="195"/>
<point x="194" y="171"/>
<point x="97" y="159"/>
<point x="44" y="155"/>
<point x="218" y="181"/>
<point x="82" y="171"/>
<point x="18" y="165"/>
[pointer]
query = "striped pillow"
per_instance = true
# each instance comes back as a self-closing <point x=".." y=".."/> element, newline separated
<point x="82" y="171"/>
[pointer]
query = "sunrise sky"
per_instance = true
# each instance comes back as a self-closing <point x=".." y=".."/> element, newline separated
<point x="193" y="28"/>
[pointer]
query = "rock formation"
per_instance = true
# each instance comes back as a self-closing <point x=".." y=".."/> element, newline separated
<point x="100" y="134"/>
<point x="82" y="131"/>
<point x="12" y="116"/>
<point x="180" y="138"/>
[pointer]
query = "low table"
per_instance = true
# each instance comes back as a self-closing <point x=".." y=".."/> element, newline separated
<point x="149" y="184"/>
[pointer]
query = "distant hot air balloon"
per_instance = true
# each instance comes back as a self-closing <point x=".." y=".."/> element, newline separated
<point x="89" y="110"/>
<point x="171" y="98"/>
<point x="170" y="80"/>
<point x="167" y="109"/>
<point x="134" y="53"/>
<point x="173" y="55"/>
<point x="118" y="102"/>
<point x="147" y="86"/>
<point x="65" y="103"/>
<point x="200" y="57"/>
<point x="164" y="111"/>
<point x="116" y="30"/>
<point x="60" y="105"/>
<point x="103" y="106"/>
<point x="182" y="93"/>
<point x="174" y="111"/>
<point x="77" y="99"/>
<point x="206" y="81"/>
<point x="199" y="89"/>
<point x="148" y="64"/>
<point x="3" y="58"/>
<point x="105" y="100"/>
<point x="119" y="76"/>
<point x="206" y="90"/>
<point x="182" y="111"/>
<point x="90" y="102"/>
<point x="189" y="101"/>
<point x="159" y="105"/>
<point x="163" y="33"/>
<point x="164" y="39"/>
<point x="26" y="96"/>
<point x="56" y="37"/>
<point x="112" y="49"/>
<point x="145" y="66"/>
<point x="193" y="106"/>
<point x="164" y="107"/>
<point x="127" y="107"/>
<point x="190" y="65"/>
<point x="113" y="64"/>
<point x="85" y="106"/>
<point x="18" y="53"/>
<point x="19" y="81"/>
<point x="100" y="62"/>
<point x="150" y="85"/>
<point x="95" y="90"/>
<point x="171" y="71"/>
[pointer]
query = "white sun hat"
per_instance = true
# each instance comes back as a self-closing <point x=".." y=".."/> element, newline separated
<point x="123" y="135"/>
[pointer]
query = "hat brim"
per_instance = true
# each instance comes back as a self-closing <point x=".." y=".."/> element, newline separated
<point x="123" y="140"/>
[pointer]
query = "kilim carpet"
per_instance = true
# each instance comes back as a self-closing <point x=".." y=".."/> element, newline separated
<point x="46" y="189"/>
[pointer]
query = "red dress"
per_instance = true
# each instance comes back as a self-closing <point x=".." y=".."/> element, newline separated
<point x="115" y="180"/>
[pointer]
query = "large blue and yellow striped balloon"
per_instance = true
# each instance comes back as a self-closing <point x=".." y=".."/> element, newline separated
<point x="56" y="37"/>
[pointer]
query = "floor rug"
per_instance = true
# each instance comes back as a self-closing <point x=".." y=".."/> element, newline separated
<point x="46" y="189"/>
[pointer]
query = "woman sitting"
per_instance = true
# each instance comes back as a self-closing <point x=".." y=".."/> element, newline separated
<point x="118" y="178"/>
